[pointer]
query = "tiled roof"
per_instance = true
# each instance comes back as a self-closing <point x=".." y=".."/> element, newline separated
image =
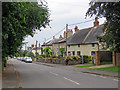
<point x="92" y="37"/>
<point x="49" y="43"/>
<point x="87" y="35"/>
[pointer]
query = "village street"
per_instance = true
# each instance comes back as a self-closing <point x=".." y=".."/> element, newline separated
<point x="33" y="75"/>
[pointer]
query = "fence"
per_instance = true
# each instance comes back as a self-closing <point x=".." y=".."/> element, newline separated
<point x="106" y="56"/>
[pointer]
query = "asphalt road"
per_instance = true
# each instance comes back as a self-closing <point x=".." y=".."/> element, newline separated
<point x="40" y="76"/>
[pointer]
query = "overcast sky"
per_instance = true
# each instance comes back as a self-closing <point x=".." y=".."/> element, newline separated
<point x="63" y="12"/>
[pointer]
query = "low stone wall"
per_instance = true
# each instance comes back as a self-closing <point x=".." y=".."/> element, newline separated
<point x="58" y="61"/>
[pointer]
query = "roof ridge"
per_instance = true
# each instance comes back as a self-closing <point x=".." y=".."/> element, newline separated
<point x="87" y="35"/>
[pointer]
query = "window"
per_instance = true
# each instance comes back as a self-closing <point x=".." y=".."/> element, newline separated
<point x="92" y="52"/>
<point x="93" y="45"/>
<point x="68" y="52"/>
<point x="78" y="45"/>
<point x="73" y="52"/>
<point x="78" y="52"/>
<point x="69" y="46"/>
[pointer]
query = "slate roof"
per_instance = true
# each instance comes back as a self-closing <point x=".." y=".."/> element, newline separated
<point x="92" y="37"/>
<point x="49" y="43"/>
<point x="87" y="35"/>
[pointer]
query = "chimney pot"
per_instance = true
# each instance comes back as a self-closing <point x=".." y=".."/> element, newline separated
<point x="96" y="22"/>
<point x="76" y="28"/>
<point x="53" y="37"/>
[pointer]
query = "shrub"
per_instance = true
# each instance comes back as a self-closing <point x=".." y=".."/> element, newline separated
<point x="53" y="56"/>
<point x="85" y="57"/>
<point x="89" y="58"/>
<point x="76" y="57"/>
<point x="67" y="58"/>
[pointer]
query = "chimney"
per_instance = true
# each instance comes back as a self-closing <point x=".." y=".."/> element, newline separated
<point x="32" y="45"/>
<point x="64" y="34"/>
<point x="96" y="22"/>
<point x="53" y="37"/>
<point x="39" y="44"/>
<point x="69" y="33"/>
<point x="60" y="36"/>
<point x="76" y="28"/>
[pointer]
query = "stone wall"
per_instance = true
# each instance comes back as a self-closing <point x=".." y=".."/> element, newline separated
<point x="58" y="61"/>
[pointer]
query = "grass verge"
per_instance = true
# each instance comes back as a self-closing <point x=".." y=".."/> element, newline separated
<point x="112" y="68"/>
<point x="85" y="66"/>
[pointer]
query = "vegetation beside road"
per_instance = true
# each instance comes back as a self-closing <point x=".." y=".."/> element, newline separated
<point x="85" y="66"/>
<point x="112" y="68"/>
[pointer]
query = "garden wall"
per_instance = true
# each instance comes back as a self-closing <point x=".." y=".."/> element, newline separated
<point x="58" y="61"/>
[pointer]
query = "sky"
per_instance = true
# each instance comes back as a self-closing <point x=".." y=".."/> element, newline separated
<point x="63" y="12"/>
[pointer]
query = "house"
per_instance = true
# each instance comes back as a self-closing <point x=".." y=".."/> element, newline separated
<point x="50" y="44"/>
<point x="61" y="42"/>
<point x="34" y="49"/>
<point x="84" y="41"/>
<point x="38" y="50"/>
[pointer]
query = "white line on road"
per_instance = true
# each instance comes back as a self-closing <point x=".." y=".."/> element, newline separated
<point x="71" y="81"/>
<point x="54" y="73"/>
<point x="115" y="80"/>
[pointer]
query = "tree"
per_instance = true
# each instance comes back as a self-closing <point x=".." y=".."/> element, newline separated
<point x="111" y="11"/>
<point x="30" y="54"/>
<point x="20" y="19"/>
<point x="62" y="51"/>
<point x="47" y="51"/>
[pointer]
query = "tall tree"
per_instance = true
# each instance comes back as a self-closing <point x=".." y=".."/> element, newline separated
<point x="20" y="19"/>
<point x="111" y="11"/>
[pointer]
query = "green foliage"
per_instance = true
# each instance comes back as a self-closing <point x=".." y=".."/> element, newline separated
<point x="48" y="51"/>
<point x="112" y="68"/>
<point x="76" y="57"/>
<point x="20" y="19"/>
<point x="53" y="56"/>
<point x="67" y="58"/>
<point x="85" y="66"/>
<point x="25" y="53"/>
<point x="30" y="54"/>
<point x="111" y="11"/>
<point x="40" y="56"/>
<point x="62" y="51"/>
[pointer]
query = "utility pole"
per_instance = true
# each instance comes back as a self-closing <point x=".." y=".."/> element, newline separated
<point x="36" y="47"/>
<point x="45" y="49"/>
<point x="66" y="37"/>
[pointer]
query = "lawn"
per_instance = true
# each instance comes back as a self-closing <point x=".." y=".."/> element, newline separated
<point x="112" y="68"/>
<point x="85" y="66"/>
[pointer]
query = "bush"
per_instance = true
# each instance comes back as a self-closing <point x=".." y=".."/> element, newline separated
<point x="67" y="58"/>
<point x="76" y="57"/>
<point x="53" y="56"/>
<point x="40" y="56"/>
<point x="85" y="57"/>
<point x="89" y="58"/>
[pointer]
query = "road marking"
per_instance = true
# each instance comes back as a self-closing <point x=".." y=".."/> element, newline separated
<point x="54" y="73"/>
<point x="103" y="77"/>
<point x="71" y="81"/>
<point x="115" y="80"/>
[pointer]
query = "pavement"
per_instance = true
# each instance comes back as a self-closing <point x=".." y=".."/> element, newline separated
<point x="10" y="77"/>
<point x="86" y="70"/>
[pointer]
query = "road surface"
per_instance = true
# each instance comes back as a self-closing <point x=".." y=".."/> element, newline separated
<point x="40" y="76"/>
